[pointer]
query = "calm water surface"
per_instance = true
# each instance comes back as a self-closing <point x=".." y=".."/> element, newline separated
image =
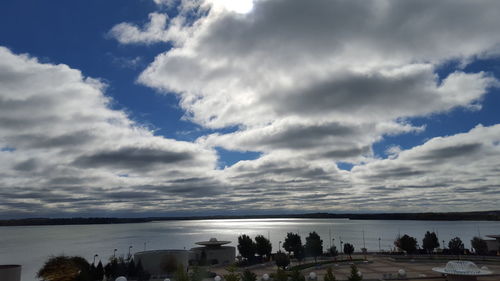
<point x="30" y="246"/>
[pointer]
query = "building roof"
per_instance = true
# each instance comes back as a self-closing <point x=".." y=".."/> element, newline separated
<point x="213" y="242"/>
<point x="494" y="236"/>
<point x="462" y="268"/>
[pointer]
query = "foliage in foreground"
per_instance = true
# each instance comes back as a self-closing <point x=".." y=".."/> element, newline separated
<point x="63" y="268"/>
<point x="355" y="275"/>
<point x="247" y="275"/>
<point x="329" y="275"/>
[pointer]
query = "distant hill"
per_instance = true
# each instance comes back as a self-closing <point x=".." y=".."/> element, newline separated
<point x="453" y="216"/>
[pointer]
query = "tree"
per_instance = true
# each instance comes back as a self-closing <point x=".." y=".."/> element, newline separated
<point x="263" y="246"/>
<point x="63" y="268"/>
<point x="479" y="245"/>
<point x="280" y="275"/>
<point x="293" y="243"/>
<point x="329" y="275"/>
<point x="348" y="249"/>
<point x="406" y="243"/>
<point x="355" y="274"/>
<point x="300" y="253"/>
<point x="247" y="275"/>
<point x="297" y="276"/>
<point x="314" y="245"/>
<point x="281" y="259"/>
<point x="430" y="242"/>
<point x="99" y="271"/>
<point x="456" y="246"/>
<point x="333" y="251"/>
<point x="197" y="274"/>
<point x="131" y="270"/>
<point x="246" y="247"/>
<point x="231" y="275"/>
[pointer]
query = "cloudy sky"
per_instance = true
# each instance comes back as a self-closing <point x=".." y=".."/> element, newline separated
<point x="191" y="107"/>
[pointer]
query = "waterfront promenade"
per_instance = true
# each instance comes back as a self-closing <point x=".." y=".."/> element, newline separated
<point x="379" y="268"/>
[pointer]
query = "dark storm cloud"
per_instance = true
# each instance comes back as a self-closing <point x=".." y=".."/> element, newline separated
<point x="132" y="158"/>
<point x="354" y="93"/>
<point x="346" y="153"/>
<point x="130" y="195"/>
<point x="303" y="136"/>
<point x="27" y="166"/>
<point x="397" y="172"/>
<point x="61" y="141"/>
<point x="450" y="152"/>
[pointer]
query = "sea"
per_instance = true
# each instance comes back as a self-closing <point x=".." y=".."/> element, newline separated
<point x="30" y="246"/>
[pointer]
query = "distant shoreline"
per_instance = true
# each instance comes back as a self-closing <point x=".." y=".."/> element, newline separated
<point x="451" y="216"/>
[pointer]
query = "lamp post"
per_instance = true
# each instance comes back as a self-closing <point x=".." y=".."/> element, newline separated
<point x="341" y="249"/>
<point x="114" y="253"/>
<point x="129" y="256"/>
<point x="96" y="255"/>
<point x="379" y="249"/>
<point x="279" y="246"/>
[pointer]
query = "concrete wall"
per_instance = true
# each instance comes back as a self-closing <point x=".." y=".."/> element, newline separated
<point x="10" y="272"/>
<point x="493" y="245"/>
<point x="221" y="255"/>
<point x="154" y="261"/>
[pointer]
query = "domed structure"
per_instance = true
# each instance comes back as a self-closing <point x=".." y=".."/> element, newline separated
<point x="213" y="252"/>
<point x="462" y="270"/>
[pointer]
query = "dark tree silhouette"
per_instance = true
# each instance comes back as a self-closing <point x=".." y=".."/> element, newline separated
<point x="314" y="245"/>
<point x="99" y="271"/>
<point x="456" y="246"/>
<point x="479" y="245"/>
<point x="406" y="243"/>
<point x="246" y="247"/>
<point x="131" y="269"/>
<point x="263" y="246"/>
<point x="63" y="268"/>
<point x="333" y="251"/>
<point x="430" y="242"/>
<point x="293" y="243"/>
<point x="348" y="249"/>
<point x="281" y="259"/>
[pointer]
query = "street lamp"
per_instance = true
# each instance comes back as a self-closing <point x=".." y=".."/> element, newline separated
<point x="129" y="256"/>
<point x="279" y="246"/>
<point x="114" y="253"/>
<point x="379" y="249"/>
<point x="96" y="255"/>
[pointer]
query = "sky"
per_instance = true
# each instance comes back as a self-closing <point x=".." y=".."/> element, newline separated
<point x="194" y="107"/>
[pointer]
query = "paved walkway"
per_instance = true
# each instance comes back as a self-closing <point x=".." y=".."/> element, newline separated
<point x="379" y="267"/>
